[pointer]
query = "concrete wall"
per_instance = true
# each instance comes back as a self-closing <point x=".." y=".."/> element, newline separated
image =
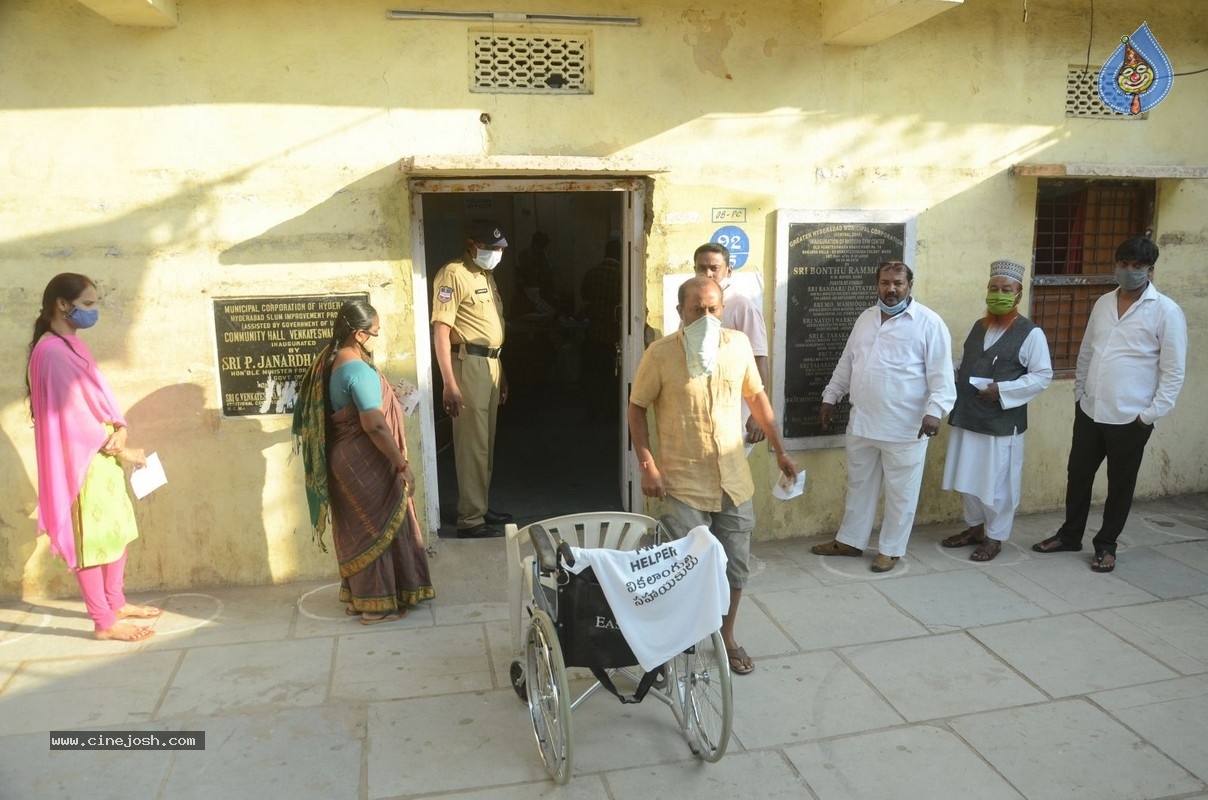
<point x="255" y="149"/>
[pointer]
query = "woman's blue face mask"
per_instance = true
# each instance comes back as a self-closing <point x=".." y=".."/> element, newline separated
<point x="83" y="317"/>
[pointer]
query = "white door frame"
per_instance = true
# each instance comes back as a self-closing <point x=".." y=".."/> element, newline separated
<point x="633" y="300"/>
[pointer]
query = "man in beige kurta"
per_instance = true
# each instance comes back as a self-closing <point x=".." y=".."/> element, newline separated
<point x="696" y="383"/>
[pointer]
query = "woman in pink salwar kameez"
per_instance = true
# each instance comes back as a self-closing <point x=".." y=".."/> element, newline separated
<point x="80" y="436"/>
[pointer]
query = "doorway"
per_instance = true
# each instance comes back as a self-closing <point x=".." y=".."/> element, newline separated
<point x="558" y="448"/>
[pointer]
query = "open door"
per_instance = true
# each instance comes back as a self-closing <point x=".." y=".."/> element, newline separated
<point x="633" y="339"/>
<point x="560" y="468"/>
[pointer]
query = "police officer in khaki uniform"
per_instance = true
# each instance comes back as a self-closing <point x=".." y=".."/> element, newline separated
<point x="467" y="329"/>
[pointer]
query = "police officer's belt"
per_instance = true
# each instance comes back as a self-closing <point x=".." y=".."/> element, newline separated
<point x="479" y="350"/>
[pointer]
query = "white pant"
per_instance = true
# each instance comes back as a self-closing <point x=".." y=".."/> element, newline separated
<point x="869" y="463"/>
<point x="997" y="518"/>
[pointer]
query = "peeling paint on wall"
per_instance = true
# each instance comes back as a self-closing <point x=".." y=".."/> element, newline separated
<point x="708" y="40"/>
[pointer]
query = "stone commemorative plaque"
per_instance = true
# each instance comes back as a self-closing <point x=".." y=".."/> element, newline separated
<point x="831" y="279"/>
<point x="266" y="344"/>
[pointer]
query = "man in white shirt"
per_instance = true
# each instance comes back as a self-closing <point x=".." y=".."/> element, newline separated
<point x="740" y="313"/>
<point x="1005" y="365"/>
<point x="1130" y="371"/>
<point x="897" y="368"/>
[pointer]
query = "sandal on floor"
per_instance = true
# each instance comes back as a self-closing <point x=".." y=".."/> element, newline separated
<point x="1055" y="544"/>
<point x="963" y="539"/>
<point x="988" y="549"/>
<point x="139" y="612"/>
<point x="391" y="617"/>
<point x="740" y="662"/>
<point x="1103" y="561"/>
<point x="835" y="548"/>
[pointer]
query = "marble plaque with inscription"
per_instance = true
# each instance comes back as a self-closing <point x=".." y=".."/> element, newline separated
<point x="266" y="344"/>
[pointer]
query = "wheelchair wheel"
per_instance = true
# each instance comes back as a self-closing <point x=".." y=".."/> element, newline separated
<point x="548" y="696"/>
<point x="701" y="698"/>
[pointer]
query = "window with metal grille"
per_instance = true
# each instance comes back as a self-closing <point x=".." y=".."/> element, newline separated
<point x="530" y="63"/>
<point x="1082" y="96"/>
<point x="1079" y="224"/>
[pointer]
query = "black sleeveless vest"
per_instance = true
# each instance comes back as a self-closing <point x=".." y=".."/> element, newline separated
<point x="1000" y="362"/>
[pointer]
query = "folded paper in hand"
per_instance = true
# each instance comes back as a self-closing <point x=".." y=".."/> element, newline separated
<point x="786" y="490"/>
<point x="145" y="480"/>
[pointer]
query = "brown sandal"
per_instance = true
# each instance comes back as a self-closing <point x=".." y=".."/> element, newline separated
<point x="836" y="548"/>
<point x="963" y="539"/>
<point x="988" y="549"/>
<point x="389" y="617"/>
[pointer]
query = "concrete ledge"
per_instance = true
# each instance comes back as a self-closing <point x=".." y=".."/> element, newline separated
<point x="859" y="23"/>
<point x="1107" y="171"/>
<point x="139" y="13"/>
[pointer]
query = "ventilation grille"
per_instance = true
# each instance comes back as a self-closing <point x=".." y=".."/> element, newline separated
<point x="1082" y="96"/>
<point x="530" y="63"/>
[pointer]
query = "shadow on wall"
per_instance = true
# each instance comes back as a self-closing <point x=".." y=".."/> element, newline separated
<point x="18" y="522"/>
<point x="206" y="493"/>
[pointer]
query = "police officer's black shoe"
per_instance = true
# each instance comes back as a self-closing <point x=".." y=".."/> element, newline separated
<point x="483" y="531"/>
<point x="493" y="517"/>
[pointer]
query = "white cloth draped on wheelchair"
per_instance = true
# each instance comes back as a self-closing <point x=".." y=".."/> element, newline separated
<point x="664" y="598"/>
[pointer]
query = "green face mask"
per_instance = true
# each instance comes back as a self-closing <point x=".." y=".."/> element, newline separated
<point x="1000" y="302"/>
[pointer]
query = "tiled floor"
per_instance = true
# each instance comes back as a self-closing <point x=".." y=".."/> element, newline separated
<point x="1028" y="677"/>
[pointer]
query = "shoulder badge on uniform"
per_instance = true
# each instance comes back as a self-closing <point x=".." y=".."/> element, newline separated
<point x="445" y="294"/>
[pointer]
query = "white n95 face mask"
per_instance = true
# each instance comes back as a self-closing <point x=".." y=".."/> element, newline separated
<point x="702" y="340"/>
<point x="488" y="259"/>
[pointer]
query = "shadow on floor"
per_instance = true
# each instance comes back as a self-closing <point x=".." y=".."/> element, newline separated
<point x="549" y="460"/>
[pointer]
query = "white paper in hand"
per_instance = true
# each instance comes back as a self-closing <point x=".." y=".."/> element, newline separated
<point x="980" y="383"/>
<point x="786" y="490"/>
<point x="408" y="396"/>
<point x="145" y="480"/>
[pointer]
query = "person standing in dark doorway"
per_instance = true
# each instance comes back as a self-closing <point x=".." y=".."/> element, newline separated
<point x="467" y="334"/>
<point x="535" y="287"/>
<point x="601" y="291"/>
<point x="1130" y="370"/>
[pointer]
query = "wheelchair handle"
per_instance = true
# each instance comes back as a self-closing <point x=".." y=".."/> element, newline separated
<point x="568" y="558"/>
<point x="549" y="549"/>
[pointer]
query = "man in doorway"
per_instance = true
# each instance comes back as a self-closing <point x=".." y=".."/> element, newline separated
<point x="1004" y="366"/>
<point x="897" y="368"/>
<point x="467" y="334"/>
<point x="712" y="260"/>
<point x="1130" y="370"/>
<point x="695" y="380"/>
<point x="601" y="291"/>
<point x="535" y="278"/>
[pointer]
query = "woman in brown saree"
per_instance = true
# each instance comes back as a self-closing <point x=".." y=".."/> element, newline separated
<point x="348" y="425"/>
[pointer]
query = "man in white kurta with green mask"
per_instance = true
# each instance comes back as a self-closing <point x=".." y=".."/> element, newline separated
<point x="1005" y="364"/>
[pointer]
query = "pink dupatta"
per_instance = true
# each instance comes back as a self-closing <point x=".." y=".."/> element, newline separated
<point x="71" y="402"/>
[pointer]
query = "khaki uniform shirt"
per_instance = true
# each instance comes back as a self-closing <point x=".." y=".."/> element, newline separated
<point x="465" y="298"/>
<point x="699" y="420"/>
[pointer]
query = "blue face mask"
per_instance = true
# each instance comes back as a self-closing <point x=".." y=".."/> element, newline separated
<point x="894" y="310"/>
<point x="83" y="317"/>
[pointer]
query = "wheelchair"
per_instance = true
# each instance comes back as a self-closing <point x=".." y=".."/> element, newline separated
<point x="695" y="684"/>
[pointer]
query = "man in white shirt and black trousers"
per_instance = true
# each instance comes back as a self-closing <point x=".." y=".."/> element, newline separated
<point x="1130" y="370"/>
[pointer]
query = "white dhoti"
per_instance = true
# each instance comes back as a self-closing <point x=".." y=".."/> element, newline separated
<point x="899" y="465"/>
<point x="986" y="470"/>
